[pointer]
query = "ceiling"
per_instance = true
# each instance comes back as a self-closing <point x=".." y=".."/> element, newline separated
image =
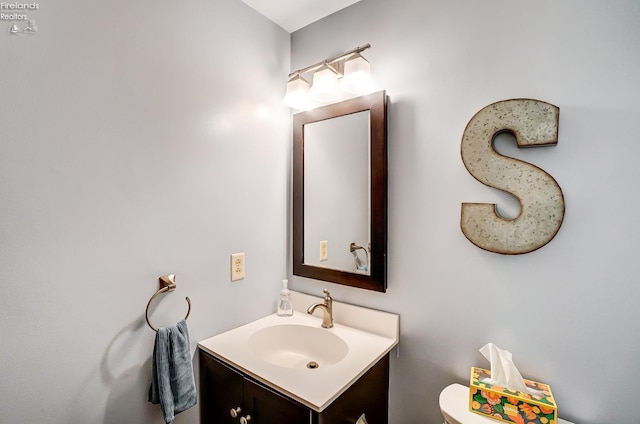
<point x="295" y="14"/>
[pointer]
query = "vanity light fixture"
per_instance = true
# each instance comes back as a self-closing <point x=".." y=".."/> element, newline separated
<point x="334" y="79"/>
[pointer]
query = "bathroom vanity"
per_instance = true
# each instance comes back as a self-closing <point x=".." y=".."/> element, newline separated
<point x="290" y="370"/>
<point x="228" y="395"/>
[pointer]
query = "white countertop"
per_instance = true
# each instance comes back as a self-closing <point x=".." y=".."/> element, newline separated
<point x="315" y="388"/>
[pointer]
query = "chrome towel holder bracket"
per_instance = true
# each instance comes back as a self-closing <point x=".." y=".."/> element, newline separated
<point x="167" y="284"/>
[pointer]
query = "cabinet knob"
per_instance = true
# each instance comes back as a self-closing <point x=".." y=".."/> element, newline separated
<point x="234" y="412"/>
<point x="245" y="420"/>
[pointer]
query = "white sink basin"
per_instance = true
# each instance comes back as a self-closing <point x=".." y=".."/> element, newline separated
<point x="298" y="346"/>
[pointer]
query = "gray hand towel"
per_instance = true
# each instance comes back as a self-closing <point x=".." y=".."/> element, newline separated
<point x="172" y="383"/>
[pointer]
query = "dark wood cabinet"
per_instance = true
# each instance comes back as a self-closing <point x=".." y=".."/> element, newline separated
<point x="223" y="389"/>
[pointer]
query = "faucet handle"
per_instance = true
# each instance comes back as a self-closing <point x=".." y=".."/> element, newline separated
<point x="326" y="293"/>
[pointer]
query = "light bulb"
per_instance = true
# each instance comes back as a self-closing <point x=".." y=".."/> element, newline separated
<point x="297" y="96"/>
<point x="357" y="75"/>
<point x="325" y="87"/>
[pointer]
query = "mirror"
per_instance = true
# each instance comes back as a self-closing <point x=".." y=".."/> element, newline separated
<point x="340" y="193"/>
<point x="337" y="194"/>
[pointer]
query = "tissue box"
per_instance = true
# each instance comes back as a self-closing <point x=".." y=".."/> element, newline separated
<point x="511" y="406"/>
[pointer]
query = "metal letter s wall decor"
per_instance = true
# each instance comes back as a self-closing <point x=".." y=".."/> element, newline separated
<point x="534" y="123"/>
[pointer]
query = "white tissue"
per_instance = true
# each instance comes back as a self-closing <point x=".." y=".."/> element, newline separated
<point x="503" y="371"/>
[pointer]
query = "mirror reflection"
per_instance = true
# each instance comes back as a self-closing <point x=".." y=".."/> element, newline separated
<point x="337" y="193"/>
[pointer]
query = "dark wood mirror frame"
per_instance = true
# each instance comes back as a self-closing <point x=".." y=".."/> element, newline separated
<point x="376" y="104"/>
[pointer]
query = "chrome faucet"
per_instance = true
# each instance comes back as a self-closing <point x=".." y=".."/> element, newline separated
<point x="327" y="309"/>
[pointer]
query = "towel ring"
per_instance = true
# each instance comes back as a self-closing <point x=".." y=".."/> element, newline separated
<point x="167" y="284"/>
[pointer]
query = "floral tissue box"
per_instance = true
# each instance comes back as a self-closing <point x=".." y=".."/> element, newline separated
<point x="511" y="406"/>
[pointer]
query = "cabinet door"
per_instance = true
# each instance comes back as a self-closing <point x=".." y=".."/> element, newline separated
<point x="268" y="407"/>
<point x="220" y="391"/>
<point x="369" y="395"/>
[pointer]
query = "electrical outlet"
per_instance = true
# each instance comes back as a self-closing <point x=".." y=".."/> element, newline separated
<point x="324" y="250"/>
<point x="237" y="266"/>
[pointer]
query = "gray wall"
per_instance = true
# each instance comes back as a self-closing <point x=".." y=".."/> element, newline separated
<point x="136" y="139"/>
<point x="569" y="311"/>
